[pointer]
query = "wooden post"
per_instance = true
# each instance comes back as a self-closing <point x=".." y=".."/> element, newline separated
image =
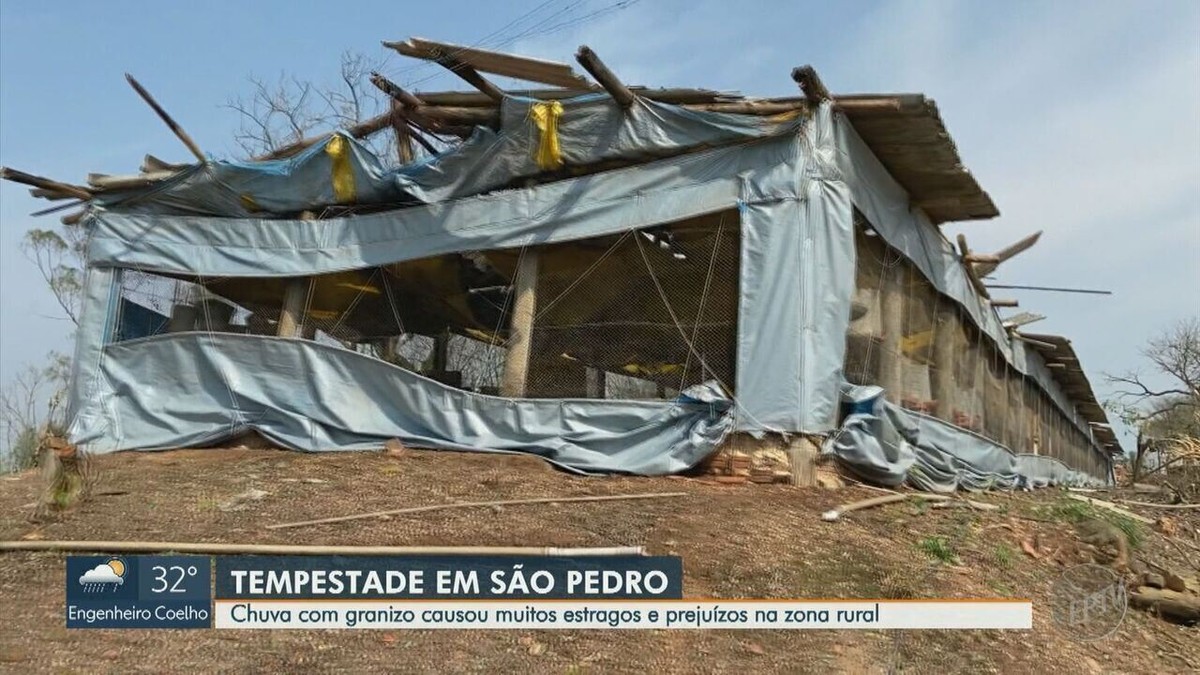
<point x="516" y="361"/>
<point x="441" y="351"/>
<point x="891" y="309"/>
<point x="291" y="316"/>
<point x="596" y="383"/>
<point x="802" y="453"/>
<point x="944" y="354"/>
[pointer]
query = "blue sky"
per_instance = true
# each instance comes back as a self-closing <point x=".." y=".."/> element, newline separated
<point x="1080" y="118"/>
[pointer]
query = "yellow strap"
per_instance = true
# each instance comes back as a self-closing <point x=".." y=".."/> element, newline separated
<point x="343" y="174"/>
<point x="545" y="116"/>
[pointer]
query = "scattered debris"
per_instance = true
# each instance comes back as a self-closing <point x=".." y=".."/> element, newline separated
<point x="943" y="500"/>
<point x="463" y="505"/>
<point x="1111" y="507"/>
<point x="394" y="448"/>
<point x="241" y="501"/>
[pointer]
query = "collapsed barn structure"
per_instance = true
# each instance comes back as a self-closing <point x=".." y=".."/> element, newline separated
<point x="614" y="278"/>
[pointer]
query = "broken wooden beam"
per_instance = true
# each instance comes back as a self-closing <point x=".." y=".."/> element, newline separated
<point x="516" y="360"/>
<point x="1002" y="302"/>
<point x="102" y="181"/>
<point x="611" y="83"/>
<point x="965" y="252"/>
<point x="980" y="258"/>
<point x="471" y="77"/>
<point x="810" y="83"/>
<point x="150" y="164"/>
<point x="498" y="63"/>
<point x="166" y="118"/>
<point x="1008" y="252"/>
<point x="360" y="130"/>
<point x="76" y="191"/>
<point x="406" y="99"/>
<point x="1022" y="319"/>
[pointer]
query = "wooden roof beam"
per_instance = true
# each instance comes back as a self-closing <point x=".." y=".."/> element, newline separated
<point x="76" y="191"/>
<point x="611" y="83"/>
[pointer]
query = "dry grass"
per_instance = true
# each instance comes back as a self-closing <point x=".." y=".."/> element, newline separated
<point x="753" y="541"/>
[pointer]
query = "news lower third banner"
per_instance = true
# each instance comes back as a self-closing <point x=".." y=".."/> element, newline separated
<point x="465" y="592"/>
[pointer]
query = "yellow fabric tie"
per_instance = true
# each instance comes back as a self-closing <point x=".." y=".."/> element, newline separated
<point x="343" y="174"/>
<point x="545" y="116"/>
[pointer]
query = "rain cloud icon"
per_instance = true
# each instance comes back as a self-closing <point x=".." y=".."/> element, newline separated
<point x="105" y="575"/>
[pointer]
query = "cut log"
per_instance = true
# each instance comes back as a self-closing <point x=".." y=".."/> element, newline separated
<point x="1179" y="607"/>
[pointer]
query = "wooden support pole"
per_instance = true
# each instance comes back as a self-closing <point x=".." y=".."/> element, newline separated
<point x="811" y="84"/>
<point x="162" y="114"/>
<point x="891" y="306"/>
<point x="291" y="315"/>
<point x="803" y="452"/>
<point x="943" y="381"/>
<point x="471" y="76"/>
<point x="520" y="336"/>
<point x="76" y="191"/>
<point x="592" y="63"/>
<point x="295" y="300"/>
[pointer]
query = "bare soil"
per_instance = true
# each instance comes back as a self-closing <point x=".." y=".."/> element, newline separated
<point x="737" y="541"/>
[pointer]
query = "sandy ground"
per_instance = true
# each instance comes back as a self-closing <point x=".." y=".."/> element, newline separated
<point x="740" y="541"/>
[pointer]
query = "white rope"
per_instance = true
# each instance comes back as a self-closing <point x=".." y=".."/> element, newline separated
<point x="683" y="334"/>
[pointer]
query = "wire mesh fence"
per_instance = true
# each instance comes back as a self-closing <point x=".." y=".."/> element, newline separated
<point x="930" y="357"/>
<point x="643" y="314"/>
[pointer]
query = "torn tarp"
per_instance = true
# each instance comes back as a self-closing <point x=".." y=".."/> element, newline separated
<point x="189" y="389"/>
<point x="888" y="445"/>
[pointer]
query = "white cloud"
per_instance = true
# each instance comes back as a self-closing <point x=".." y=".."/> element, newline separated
<point x="101" y="574"/>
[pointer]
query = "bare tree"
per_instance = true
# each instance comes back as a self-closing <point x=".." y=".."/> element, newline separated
<point x="59" y="256"/>
<point x="275" y="114"/>
<point x="32" y="403"/>
<point x="1163" y="405"/>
